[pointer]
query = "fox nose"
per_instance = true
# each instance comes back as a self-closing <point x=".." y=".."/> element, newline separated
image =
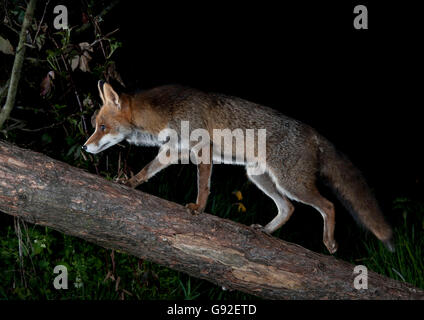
<point x="84" y="148"/>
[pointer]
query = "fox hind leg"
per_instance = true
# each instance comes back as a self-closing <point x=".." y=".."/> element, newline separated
<point x="306" y="192"/>
<point x="326" y="208"/>
<point x="285" y="208"/>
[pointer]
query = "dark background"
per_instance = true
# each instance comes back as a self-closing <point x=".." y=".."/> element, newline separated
<point x="359" y="88"/>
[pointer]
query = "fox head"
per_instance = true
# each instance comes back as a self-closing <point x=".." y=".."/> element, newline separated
<point x="112" y="122"/>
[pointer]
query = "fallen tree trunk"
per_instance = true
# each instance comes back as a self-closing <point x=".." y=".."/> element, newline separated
<point x="47" y="192"/>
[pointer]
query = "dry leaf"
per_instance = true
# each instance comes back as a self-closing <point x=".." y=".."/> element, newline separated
<point x="87" y="55"/>
<point x="85" y="46"/>
<point x="87" y="102"/>
<point x="40" y="40"/>
<point x="75" y="62"/>
<point x="44" y="27"/>
<point x="47" y="84"/>
<point x="85" y="18"/>
<point x="5" y="46"/>
<point x="84" y="64"/>
<point x="93" y="118"/>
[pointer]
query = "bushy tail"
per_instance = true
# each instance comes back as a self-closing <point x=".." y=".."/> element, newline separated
<point x="353" y="191"/>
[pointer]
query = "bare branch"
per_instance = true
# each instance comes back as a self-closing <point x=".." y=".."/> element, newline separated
<point x="17" y="64"/>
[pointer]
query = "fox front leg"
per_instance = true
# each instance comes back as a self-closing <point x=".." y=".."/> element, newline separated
<point x="157" y="164"/>
<point x="140" y="177"/>
<point x="204" y="172"/>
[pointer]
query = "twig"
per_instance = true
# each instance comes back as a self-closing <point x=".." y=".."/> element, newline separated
<point x="41" y="21"/>
<point x="7" y="18"/>
<point x="97" y="31"/>
<point x="43" y="128"/>
<point x="101" y="14"/>
<point x="3" y="91"/>
<point x="105" y="37"/>
<point x="68" y="69"/>
<point x="11" y="28"/>
<point x="17" y="64"/>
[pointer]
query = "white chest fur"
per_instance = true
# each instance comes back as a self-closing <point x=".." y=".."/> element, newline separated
<point x="141" y="138"/>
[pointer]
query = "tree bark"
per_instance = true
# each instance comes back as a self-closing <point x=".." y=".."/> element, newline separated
<point x="47" y="192"/>
<point x="17" y="64"/>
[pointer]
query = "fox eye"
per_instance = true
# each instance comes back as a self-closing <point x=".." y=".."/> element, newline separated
<point x="103" y="127"/>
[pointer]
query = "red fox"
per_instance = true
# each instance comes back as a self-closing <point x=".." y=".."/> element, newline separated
<point x="296" y="155"/>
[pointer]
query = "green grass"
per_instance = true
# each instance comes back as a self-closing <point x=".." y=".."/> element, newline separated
<point x="407" y="263"/>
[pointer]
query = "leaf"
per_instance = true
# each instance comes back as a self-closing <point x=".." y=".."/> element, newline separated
<point x="40" y="40"/>
<point x="84" y="64"/>
<point x="85" y="46"/>
<point x="87" y="102"/>
<point x="87" y="55"/>
<point x="93" y="118"/>
<point x="84" y="18"/>
<point x="5" y="46"/>
<point x="82" y="60"/>
<point x="46" y="138"/>
<point x="75" y="62"/>
<point x="113" y="47"/>
<point x="71" y="150"/>
<point x="46" y="84"/>
<point x="70" y="140"/>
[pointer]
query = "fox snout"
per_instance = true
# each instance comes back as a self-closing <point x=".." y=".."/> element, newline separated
<point x="96" y="144"/>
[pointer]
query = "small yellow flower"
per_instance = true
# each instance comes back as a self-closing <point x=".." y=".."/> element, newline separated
<point x="238" y="195"/>
<point x="241" y="207"/>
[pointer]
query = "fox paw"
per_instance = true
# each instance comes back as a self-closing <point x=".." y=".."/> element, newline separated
<point x="258" y="227"/>
<point x="122" y="181"/>
<point x="133" y="183"/>
<point x="193" y="208"/>
<point x="332" y="246"/>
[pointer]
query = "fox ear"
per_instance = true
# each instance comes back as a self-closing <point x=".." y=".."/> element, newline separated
<point x="111" y="96"/>
<point x="93" y="118"/>
<point x="100" y="86"/>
